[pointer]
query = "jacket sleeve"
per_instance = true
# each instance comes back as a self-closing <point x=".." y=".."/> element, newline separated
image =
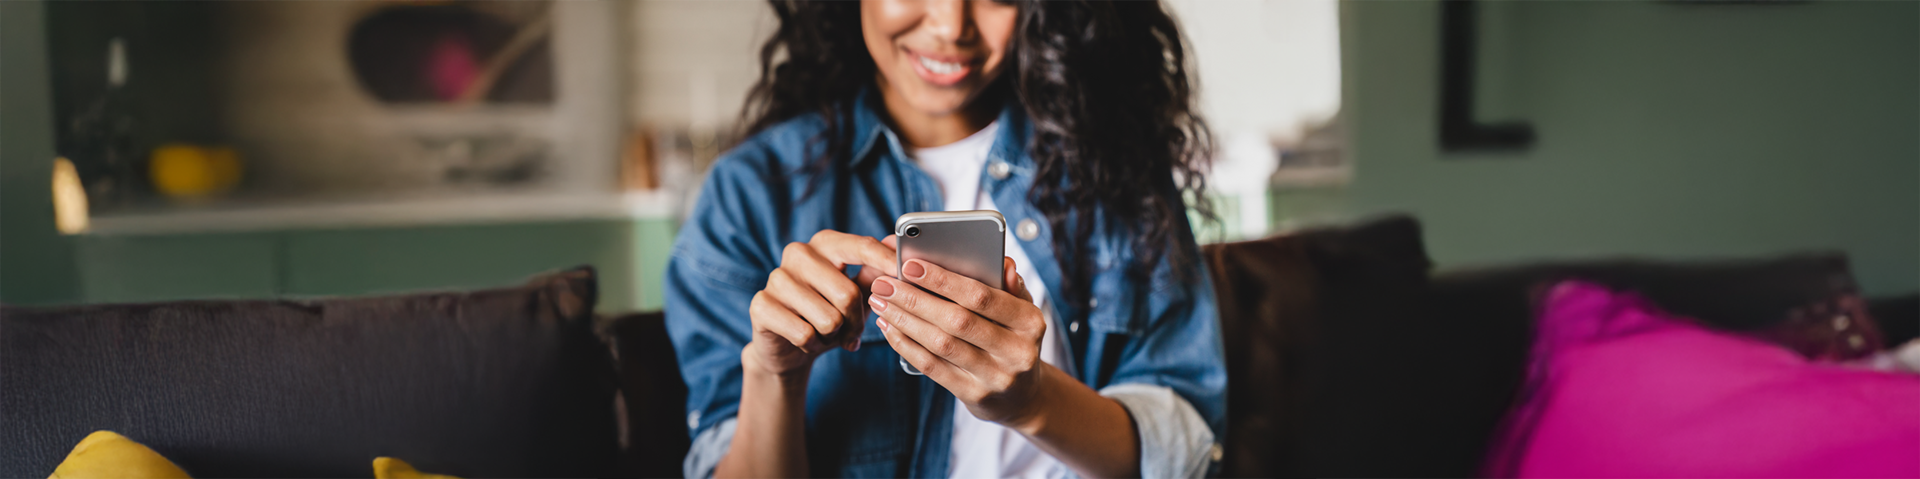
<point x="1174" y="440"/>
<point x="719" y="261"/>
<point x="1172" y="379"/>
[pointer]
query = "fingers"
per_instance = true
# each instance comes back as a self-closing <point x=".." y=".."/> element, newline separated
<point x="827" y="321"/>
<point x="811" y="280"/>
<point x="1000" y="306"/>
<point x="770" y="316"/>
<point x="848" y="249"/>
<point x="897" y="297"/>
<point x="932" y="365"/>
<point x="956" y="350"/>
<point x="867" y="275"/>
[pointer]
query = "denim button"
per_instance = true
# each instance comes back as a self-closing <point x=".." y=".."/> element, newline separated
<point x="693" y="420"/>
<point x="1073" y="327"/>
<point x="1093" y="303"/>
<point x="1028" y="230"/>
<point x="999" y="169"/>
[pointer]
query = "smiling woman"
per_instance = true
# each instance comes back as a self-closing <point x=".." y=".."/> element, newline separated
<point x="1073" y="120"/>
<point x="934" y="62"/>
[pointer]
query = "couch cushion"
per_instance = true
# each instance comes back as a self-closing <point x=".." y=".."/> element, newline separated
<point x="502" y="382"/>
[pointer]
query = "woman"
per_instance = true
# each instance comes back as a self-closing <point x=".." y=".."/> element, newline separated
<point x="1074" y="120"/>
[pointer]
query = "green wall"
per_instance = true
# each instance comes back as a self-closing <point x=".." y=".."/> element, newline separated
<point x="36" y="263"/>
<point x="1666" y="129"/>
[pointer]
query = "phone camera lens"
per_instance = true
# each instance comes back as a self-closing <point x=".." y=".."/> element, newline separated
<point x="913" y="231"/>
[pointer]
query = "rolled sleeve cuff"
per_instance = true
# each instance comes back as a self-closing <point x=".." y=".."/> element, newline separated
<point x="1174" y="440"/>
<point x="707" y="449"/>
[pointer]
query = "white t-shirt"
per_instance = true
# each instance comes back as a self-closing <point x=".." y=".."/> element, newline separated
<point x="981" y="448"/>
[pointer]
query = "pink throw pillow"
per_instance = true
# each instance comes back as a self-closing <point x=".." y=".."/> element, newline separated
<point x="1618" y="388"/>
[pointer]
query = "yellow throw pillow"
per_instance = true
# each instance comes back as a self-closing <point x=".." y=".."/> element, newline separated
<point x="105" y="454"/>
<point x="391" y="468"/>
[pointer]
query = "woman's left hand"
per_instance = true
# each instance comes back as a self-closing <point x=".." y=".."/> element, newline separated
<point x="981" y="343"/>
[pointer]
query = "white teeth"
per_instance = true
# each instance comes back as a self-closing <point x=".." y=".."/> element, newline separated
<point x="939" y="67"/>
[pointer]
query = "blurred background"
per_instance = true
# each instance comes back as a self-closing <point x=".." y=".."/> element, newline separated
<point x="166" y="150"/>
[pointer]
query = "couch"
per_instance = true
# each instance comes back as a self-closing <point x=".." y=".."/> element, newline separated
<point x="1347" y="357"/>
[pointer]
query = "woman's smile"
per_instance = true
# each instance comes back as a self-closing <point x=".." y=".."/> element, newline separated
<point x="942" y="71"/>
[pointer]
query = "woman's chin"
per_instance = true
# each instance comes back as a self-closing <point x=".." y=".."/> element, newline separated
<point x="938" y="106"/>
<point x="936" y="101"/>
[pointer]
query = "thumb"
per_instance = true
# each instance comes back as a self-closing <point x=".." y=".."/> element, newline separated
<point x="1016" y="284"/>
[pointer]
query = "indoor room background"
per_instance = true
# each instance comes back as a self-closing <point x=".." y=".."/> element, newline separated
<point x="1665" y="129"/>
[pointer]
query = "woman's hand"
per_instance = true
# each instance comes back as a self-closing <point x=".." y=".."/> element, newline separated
<point x="809" y="305"/>
<point x="982" y="343"/>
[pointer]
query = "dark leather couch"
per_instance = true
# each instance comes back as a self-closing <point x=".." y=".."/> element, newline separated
<point x="1347" y="357"/>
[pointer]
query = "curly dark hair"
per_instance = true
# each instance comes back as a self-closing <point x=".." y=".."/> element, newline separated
<point x="1108" y="90"/>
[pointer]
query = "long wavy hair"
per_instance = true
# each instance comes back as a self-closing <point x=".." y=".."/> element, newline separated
<point x="1105" y="84"/>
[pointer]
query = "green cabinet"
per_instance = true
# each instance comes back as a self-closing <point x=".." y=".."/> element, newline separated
<point x="154" y="268"/>
<point x="629" y="255"/>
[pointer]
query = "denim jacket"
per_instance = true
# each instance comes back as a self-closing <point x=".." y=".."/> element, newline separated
<point x="1153" y="347"/>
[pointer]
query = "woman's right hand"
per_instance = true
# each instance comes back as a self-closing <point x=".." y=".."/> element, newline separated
<point x="810" y="306"/>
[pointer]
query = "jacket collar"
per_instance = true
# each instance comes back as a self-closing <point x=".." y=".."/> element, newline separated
<point x="870" y="130"/>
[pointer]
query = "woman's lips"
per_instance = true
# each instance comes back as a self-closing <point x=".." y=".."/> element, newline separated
<point x="942" y="72"/>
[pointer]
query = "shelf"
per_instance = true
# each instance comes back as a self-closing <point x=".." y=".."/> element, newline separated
<point x="447" y="210"/>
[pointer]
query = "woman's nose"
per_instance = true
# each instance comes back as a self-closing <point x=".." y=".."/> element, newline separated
<point x="948" y="20"/>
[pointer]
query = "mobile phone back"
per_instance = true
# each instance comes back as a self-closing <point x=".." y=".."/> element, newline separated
<point x="971" y="243"/>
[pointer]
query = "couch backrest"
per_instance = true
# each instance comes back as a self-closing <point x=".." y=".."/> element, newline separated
<point x="499" y="382"/>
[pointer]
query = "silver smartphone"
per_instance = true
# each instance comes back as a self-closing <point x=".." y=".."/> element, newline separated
<point x="971" y="243"/>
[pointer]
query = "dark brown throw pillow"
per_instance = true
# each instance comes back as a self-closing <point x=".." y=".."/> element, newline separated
<point x="503" y="382"/>
<point x="1318" y="328"/>
<point x="653" y="396"/>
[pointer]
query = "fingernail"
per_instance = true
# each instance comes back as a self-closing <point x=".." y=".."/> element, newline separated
<point x="883" y="288"/>
<point x="883" y="324"/>
<point x="878" y="305"/>
<point x="856" y="344"/>
<point x="914" y="270"/>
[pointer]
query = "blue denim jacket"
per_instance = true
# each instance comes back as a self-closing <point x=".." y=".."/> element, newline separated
<point x="1155" y="347"/>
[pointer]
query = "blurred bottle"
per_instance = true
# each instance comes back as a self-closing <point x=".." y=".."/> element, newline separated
<point x="102" y="149"/>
